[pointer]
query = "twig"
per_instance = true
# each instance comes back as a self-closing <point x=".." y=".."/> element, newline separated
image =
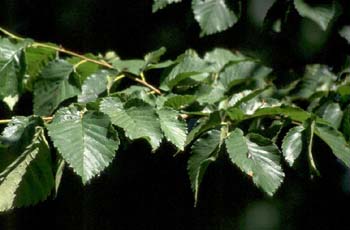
<point x="69" y="52"/>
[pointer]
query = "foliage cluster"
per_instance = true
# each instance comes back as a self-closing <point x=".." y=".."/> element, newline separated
<point x="85" y="108"/>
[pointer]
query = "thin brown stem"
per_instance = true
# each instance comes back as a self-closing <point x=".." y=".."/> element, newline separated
<point x="142" y="81"/>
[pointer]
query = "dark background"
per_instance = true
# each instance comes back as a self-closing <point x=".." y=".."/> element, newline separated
<point x="141" y="190"/>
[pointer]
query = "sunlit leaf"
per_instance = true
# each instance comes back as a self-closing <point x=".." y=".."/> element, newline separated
<point x="82" y="140"/>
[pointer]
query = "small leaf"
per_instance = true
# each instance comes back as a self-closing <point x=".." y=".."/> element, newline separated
<point x="189" y="65"/>
<point x="11" y="67"/>
<point x="53" y="87"/>
<point x="258" y="157"/>
<point x="29" y="178"/>
<point x="220" y="57"/>
<point x="203" y="125"/>
<point x="213" y="15"/>
<point x="331" y="112"/>
<point x="201" y="157"/>
<point x="93" y="86"/>
<point x="154" y="57"/>
<point x="136" y="117"/>
<point x="82" y="141"/>
<point x="36" y="59"/>
<point x="160" y="4"/>
<point x="335" y="140"/>
<point x="321" y="14"/>
<point x="236" y="73"/>
<point x="292" y="144"/>
<point x="175" y="130"/>
<point x="132" y="66"/>
<point x="316" y="78"/>
<point x="345" y="33"/>
<point x="179" y="101"/>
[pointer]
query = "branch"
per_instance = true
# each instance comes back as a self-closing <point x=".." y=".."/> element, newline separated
<point x="72" y="53"/>
<point x="5" y="121"/>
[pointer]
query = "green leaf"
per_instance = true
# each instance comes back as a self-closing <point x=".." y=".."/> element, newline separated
<point x="53" y="87"/>
<point x="29" y="178"/>
<point x="321" y="13"/>
<point x="292" y="144"/>
<point x="293" y="113"/>
<point x="316" y="78"/>
<point x="36" y="59"/>
<point x="277" y="16"/>
<point x="160" y="4"/>
<point x="345" y="33"/>
<point x="258" y="157"/>
<point x="201" y="156"/>
<point x="335" y="140"/>
<point x="345" y="127"/>
<point x="84" y="68"/>
<point x="154" y="56"/>
<point x="203" y="125"/>
<point x="82" y="140"/>
<point x="213" y="16"/>
<point x="11" y="67"/>
<point x="179" y="101"/>
<point x="189" y="65"/>
<point x="331" y="112"/>
<point x="174" y="129"/>
<point x="137" y="118"/>
<point x="241" y="71"/>
<point x="93" y="86"/>
<point x="210" y="94"/>
<point x="132" y="66"/>
<point x="220" y="57"/>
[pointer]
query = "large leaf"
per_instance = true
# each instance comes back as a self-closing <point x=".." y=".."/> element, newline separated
<point x="160" y="4"/>
<point x="28" y="179"/>
<point x="213" y="15"/>
<point x="11" y="67"/>
<point x="53" y="87"/>
<point x="335" y="140"/>
<point x="137" y="118"/>
<point x="179" y="101"/>
<point x="36" y="59"/>
<point x="82" y="140"/>
<point x="94" y="85"/>
<point x="201" y="156"/>
<point x="321" y="13"/>
<point x="174" y="129"/>
<point x="292" y="144"/>
<point x="258" y="157"/>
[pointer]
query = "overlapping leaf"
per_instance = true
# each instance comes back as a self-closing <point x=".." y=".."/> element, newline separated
<point x="137" y="118"/>
<point x="53" y="86"/>
<point x="26" y="175"/>
<point x="11" y="67"/>
<point x="335" y="140"/>
<point x="201" y="156"/>
<point x="82" y="140"/>
<point x="258" y="157"/>
<point x="94" y="85"/>
<point x="322" y="13"/>
<point x="174" y="129"/>
<point x="36" y="59"/>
